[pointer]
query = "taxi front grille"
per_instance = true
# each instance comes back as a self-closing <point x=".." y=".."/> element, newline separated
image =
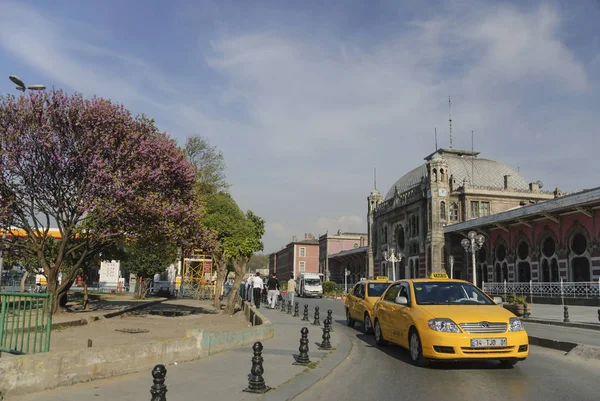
<point x="483" y="327"/>
<point x="490" y="350"/>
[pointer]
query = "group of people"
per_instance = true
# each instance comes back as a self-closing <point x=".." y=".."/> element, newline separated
<point x="255" y="287"/>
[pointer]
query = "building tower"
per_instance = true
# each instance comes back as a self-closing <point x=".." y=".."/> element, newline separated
<point x="373" y="200"/>
<point x="438" y="205"/>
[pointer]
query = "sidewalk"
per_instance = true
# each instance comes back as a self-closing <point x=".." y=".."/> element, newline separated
<point x="223" y="375"/>
<point x="577" y="314"/>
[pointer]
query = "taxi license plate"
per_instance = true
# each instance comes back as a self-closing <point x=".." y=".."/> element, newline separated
<point x="488" y="342"/>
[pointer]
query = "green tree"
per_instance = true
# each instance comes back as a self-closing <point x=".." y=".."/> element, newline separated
<point x="246" y="241"/>
<point x="209" y="163"/>
<point x="223" y="216"/>
<point x="145" y="259"/>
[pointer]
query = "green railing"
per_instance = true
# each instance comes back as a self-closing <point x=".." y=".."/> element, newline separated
<point x="25" y="322"/>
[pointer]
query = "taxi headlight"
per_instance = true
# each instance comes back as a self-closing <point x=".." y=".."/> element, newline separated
<point x="442" y="324"/>
<point x="515" y="324"/>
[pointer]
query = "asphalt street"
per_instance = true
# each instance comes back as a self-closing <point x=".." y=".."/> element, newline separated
<point x="373" y="372"/>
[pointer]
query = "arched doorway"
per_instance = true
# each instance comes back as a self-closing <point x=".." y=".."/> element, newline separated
<point x="523" y="264"/>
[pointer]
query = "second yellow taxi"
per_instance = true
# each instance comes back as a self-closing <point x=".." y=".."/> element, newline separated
<point x="445" y="319"/>
<point x="360" y="301"/>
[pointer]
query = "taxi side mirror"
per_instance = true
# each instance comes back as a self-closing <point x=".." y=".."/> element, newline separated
<point x="401" y="301"/>
<point x="498" y="300"/>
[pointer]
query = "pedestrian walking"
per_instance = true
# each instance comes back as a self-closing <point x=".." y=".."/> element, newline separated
<point x="272" y="291"/>
<point x="291" y="289"/>
<point x="257" y="287"/>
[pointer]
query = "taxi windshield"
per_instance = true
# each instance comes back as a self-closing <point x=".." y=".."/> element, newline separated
<point x="449" y="293"/>
<point x="312" y="281"/>
<point x="376" y="289"/>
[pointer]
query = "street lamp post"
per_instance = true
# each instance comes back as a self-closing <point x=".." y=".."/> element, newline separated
<point x="393" y="257"/>
<point x="22" y="87"/>
<point x="2" y="257"/>
<point x="451" y="266"/>
<point x="472" y="244"/>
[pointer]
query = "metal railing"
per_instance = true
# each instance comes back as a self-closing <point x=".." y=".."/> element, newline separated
<point x="560" y="289"/>
<point x="25" y="322"/>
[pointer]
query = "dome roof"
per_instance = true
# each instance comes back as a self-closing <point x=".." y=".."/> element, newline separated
<point x="486" y="173"/>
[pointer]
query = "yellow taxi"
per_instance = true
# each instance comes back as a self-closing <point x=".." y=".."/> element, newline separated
<point x="360" y="301"/>
<point x="445" y="319"/>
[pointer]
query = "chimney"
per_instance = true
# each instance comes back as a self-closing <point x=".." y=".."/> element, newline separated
<point x="294" y="239"/>
<point x="506" y="181"/>
<point x="534" y="187"/>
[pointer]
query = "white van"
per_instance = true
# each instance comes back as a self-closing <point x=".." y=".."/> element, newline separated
<point x="309" y="285"/>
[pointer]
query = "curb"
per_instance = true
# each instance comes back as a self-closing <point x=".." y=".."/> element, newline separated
<point x="580" y="325"/>
<point x="582" y="351"/>
<point x="306" y="379"/>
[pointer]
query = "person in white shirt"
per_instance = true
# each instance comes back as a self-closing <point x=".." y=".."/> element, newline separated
<point x="291" y="289"/>
<point x="257" y="287"/>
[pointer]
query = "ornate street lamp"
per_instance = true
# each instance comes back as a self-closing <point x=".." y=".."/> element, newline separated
<point x="22" y="87"/>
<point x="393" y="257"/>
<point x="473" y="244"/>
<point x="451" y="266"/>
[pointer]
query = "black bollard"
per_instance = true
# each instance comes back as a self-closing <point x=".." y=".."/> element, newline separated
<point x="158" y="388"/>
<point x="526" y="312"/>
<point x="289" y="312"/>
<point x="317" y="321"/>
<point x="302" y="358"/>
<point x="256" y="382"/>
<point x="296" y="310"/>
<point x="329" y="312"/>
<point x="599" y="315"/>
<point x="326" y="344"/>
<point x="566" y="314"/>
<point x="283" y="305"/>
<point x="305" y="317"/>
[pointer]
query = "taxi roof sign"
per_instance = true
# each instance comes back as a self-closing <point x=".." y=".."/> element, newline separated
<point x="381" y="278"/>
<point x="438" y="276"/>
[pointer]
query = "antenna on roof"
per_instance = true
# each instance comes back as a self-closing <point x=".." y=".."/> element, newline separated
<point x="450" y="119"/>
<point x="436" y="148"/>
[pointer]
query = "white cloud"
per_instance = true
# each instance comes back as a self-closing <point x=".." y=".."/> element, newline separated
<point x="302" y="121"/>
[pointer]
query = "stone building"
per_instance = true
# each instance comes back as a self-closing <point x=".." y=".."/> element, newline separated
<point x="452" y="186"/>
<point x="330" y="244"/>
<point x="296" y="257"/>
<point x="546" y="242"/>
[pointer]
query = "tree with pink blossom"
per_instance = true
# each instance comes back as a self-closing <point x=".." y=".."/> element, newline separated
<point x="99" y="174"/>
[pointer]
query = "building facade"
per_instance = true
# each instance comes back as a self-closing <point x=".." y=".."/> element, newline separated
<point x="353" y="260"/>
<point x="546" y="242"/>
<point x="332" y="244"/>
<point x="295" y="258"/>
<point x="452" y="186"/>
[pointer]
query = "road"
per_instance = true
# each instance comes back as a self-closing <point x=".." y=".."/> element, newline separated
<point x="385" y="373"/>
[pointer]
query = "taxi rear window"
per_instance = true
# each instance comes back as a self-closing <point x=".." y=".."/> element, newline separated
<point x="376" y="289"/>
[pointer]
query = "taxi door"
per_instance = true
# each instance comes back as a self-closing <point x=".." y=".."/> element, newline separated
<point x="357" y="299"/>
<point x="387" y="313"/>
<point x="351" y="299"/>
<point x="403" y="317"/>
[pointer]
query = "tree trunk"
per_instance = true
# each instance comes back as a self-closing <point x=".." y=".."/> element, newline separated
<point x="230" y="308"/>
<point x="85" y="292"/>
<point x="23" y="279"/>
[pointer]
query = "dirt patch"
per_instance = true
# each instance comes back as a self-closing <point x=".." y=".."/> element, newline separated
<point x="169" y="319"/>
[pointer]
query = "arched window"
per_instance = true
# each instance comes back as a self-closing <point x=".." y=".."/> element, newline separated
<point x="549" y="259"/>
<point x="442" y="177"/>
<point x="580" y="263"/>
<point x="454" y="212"/>
<point x="434" y="175"/>
<point x="523" y="266"/>
<point x="443" y="210"/>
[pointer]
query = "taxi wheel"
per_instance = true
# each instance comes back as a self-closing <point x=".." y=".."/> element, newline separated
<point x="378" y="335"/>
<point x="349" y="320"/>
<point x="367" y="327"/>
<point x="415" y="349"/>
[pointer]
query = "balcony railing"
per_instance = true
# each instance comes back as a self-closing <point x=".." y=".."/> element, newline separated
<point x="561" y="289"/>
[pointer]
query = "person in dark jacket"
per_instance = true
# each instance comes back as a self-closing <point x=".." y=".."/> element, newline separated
<point x="272" y="291"/>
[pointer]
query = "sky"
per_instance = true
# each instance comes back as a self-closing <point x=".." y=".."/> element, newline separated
<point x="305" y="98"/>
